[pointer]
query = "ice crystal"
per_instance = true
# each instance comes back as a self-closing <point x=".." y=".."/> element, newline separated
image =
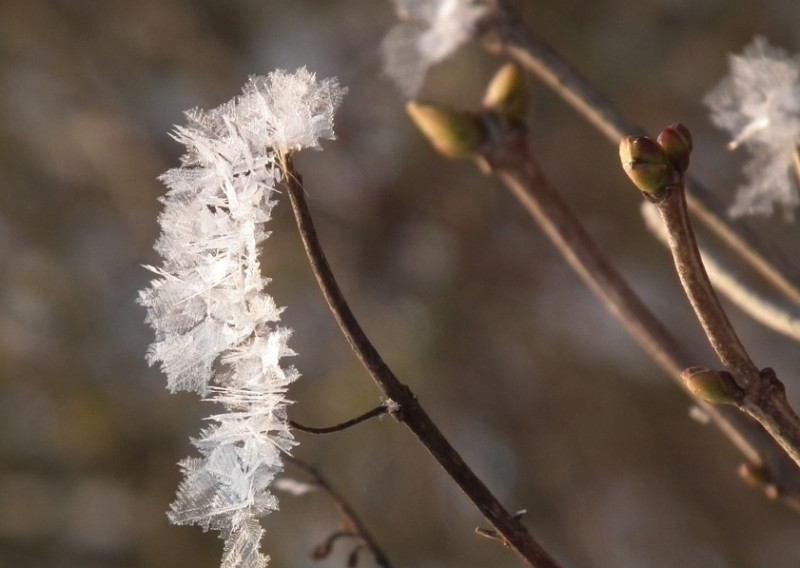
<point x="215" y="325"/>
<point x="759" y="104"/>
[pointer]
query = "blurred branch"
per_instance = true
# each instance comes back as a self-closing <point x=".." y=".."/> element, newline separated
<point x="353" y="526"/>
<point x="408" y="411"/>
<point x="507" y="33"/>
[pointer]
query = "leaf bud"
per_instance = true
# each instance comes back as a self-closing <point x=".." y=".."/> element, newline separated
<point x="648" y="166"/>
<point x="507" y="93"/>
<point x="676" y="140"/>
<point x="715" y="387"/>
<point x="454" y="134"/>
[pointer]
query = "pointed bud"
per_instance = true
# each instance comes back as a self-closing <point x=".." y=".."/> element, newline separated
<point x="507" y="93"/>
<point x="648" y="166"/>
<point x="715" y="387"/>
<point x="454" y="134"/>
<point x="676" y="140"/>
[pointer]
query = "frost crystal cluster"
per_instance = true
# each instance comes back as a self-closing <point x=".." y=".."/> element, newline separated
<point x="429" y="31"/>
<point x="759" y="104"/>
<point x="216" y="327"/>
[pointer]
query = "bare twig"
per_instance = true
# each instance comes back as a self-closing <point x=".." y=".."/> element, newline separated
<point x="507" y="33"/>
<point x="353" y="524"/>
<point x="409" y="411"/>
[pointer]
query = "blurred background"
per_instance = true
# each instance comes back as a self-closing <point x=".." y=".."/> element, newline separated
<point x="532" y="380"/>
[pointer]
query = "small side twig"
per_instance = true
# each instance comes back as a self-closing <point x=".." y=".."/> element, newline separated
<point x="377" y="411"/>
<point x="409" y="411"/>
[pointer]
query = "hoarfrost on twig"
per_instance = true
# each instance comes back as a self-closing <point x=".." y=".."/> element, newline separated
<point x="215" y="325"/>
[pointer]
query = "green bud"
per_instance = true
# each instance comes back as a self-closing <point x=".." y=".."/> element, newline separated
<point x="507" y="93"/>
<point x="676" y="140"/>
<point x="454" y="134"/>
<point x="648" y="166"/>
<point x="715" y="387"/>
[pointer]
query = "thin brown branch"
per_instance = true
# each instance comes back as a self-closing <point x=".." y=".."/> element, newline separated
<point x="377" y="411"/>
<point x="409" y="411"/>
<point x="693" y="277"/>
<point x="764" y="395"/>
<point x="780" y="318"/>
<point x="511" y="161"/>
<point x="353" y="522"/>
<point x="507" y="33"/>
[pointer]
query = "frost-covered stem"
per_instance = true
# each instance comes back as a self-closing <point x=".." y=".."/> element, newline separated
<point x="409" y="411"/>
<point x="764" y="397"/>
<point x="507" y="33"/>
<point x="353" y="522"/>
<point x="520" y="173"/>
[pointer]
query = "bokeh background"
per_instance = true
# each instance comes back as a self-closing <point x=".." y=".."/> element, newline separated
<point x="549" y="400"/>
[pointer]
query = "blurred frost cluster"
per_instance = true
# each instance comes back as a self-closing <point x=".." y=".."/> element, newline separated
<point x="429" y="31"/>
<point x="759" y="104"/>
